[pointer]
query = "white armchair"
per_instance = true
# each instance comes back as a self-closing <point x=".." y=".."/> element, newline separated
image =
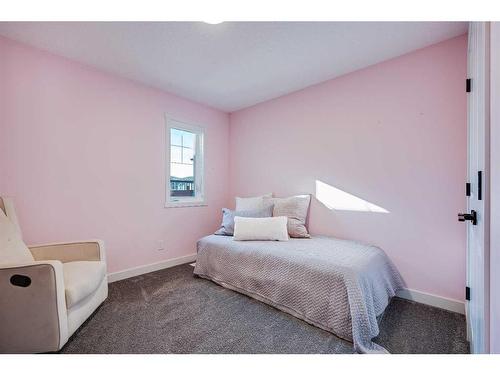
<point x="46" y="291"/>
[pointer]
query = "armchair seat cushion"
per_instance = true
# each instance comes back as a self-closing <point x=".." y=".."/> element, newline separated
<point x="81" y="279"/>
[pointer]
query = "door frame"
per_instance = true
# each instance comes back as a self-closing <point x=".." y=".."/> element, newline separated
<point x="494" y="321"/>
<point x="477" y="309"/>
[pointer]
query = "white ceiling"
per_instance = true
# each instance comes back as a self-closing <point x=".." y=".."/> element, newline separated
<point x="231" y="65"/>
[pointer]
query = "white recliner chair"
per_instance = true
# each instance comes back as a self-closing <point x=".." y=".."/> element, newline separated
<point x="46" y="291"/>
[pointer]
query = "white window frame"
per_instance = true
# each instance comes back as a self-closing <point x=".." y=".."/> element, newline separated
<point x="199" y="171"/>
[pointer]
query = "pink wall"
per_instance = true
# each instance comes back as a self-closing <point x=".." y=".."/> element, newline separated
<point x="393" y="134"/>
<point x="82" y="153"/>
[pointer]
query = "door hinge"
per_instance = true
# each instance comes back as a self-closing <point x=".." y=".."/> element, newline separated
<point x="467" y="189"/>
<point x="468" y="85"/>
<point x="467" y="293"/>
<point x="479" y="185"/>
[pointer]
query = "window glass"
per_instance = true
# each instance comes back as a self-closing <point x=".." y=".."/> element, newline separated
<point x="182" y="163"/>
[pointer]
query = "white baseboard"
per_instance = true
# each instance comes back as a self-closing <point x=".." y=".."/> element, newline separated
<point x="432" y="300"/>
<point x="136" y="271"/>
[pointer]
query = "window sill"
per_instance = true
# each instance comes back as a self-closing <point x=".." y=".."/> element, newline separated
<point x="186" y="204"/>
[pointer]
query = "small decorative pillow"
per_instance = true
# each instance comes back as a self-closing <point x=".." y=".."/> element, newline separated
<point x="227" y="225"/>
<point x="295" y="208"/>
<point x="12" y="248"/>
<point x="251" y="203"/>
<point x="260" y="229"/>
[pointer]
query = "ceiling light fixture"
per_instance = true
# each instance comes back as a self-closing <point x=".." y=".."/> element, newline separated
<point x="213" y="22"/>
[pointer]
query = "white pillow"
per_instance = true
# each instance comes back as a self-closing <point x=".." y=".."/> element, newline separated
<point x="251" y="203"/>
<point x="260" y="228"/>
<point x="12" y="248"/>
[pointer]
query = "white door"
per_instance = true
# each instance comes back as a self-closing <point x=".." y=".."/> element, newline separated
<point x="476" y="216"/>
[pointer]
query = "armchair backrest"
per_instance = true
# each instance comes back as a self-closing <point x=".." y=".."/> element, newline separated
<point x="7" y="206"/>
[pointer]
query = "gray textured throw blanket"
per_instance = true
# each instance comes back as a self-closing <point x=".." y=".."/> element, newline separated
<point x="337" y="285"/>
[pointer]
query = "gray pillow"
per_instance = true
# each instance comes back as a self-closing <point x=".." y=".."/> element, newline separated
<point x="227" y="225"/>
<point x="296" y="209"/>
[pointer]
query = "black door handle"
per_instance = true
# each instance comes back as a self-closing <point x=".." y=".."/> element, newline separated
<point x="472" y="217"/>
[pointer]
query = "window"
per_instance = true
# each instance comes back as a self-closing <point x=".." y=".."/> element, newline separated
<point x="184" y="156"/>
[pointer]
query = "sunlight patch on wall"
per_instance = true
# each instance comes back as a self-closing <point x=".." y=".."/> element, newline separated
<point x="337" y="199"/>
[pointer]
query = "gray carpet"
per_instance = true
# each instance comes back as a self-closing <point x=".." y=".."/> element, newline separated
<point x="171" y="311"/>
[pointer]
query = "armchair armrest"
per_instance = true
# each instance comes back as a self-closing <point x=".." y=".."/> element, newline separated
<point x="70" y="251"/>
<point x="33" y="312"/>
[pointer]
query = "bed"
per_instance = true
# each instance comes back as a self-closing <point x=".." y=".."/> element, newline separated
<point x="337" y="285"/>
